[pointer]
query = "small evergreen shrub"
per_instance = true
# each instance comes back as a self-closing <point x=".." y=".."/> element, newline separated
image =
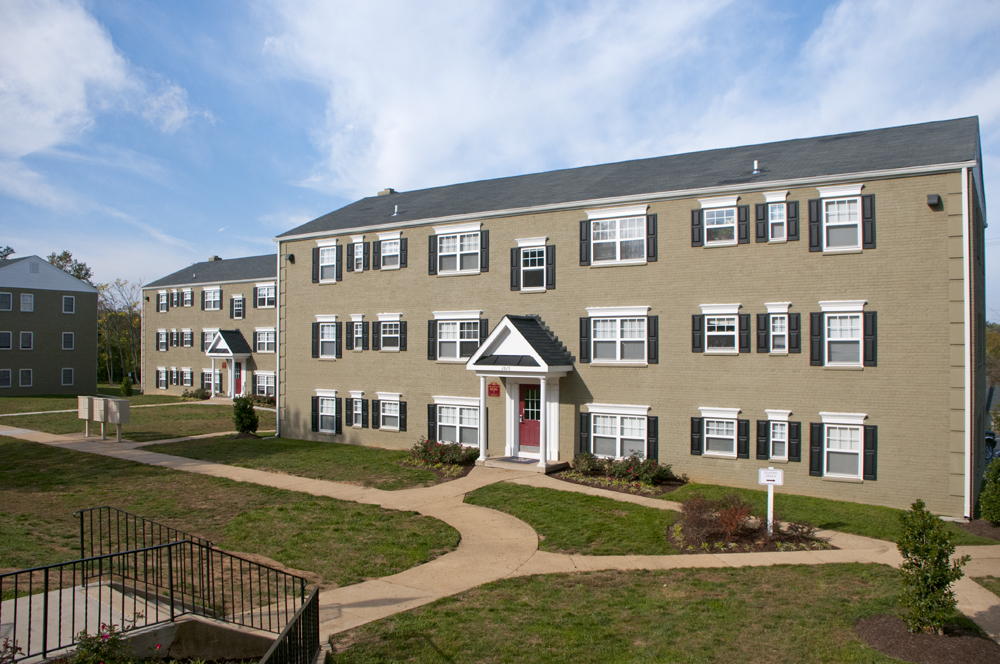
<point x="927" y="571"/>
<point x="631" y="469"/>
<point x="434" y="452"/>
<point x="586" y="463"/>
<point x="126" y="390"/>
<point x="989" y="497"/>
<point x="244" y="416"/>
<point x="199" y="393"/>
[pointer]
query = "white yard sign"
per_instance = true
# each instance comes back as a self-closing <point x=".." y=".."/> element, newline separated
<point x="772" y="478"/>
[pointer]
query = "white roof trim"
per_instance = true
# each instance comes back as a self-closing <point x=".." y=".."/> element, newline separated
<point x="471" y="227"/>
<point x="718" y="202"/>
<point x="840" y="190"/>
<point x="842" y="305"/>
<point x="599" y="312"/>
<point x="326" y="318"/>
<point x="720" y="309"/>
<point x="389" y="235"/>
<point x="458" y="315"/>
<point x="616" y="409"/>
<point x="850" y="419"/>
<point x="356" y="394"/>
<point x="775" y="196"/>
<point x="777" y="307"/>
<point x="618" y="212"/>
<point x="389" y="318"/>
<point x="388" y="396"/>
<point x="456" y="401"/>
<point x="778" y="415"/>
<point x="531" y="241"/>
<point x="720" y="413"/>
<point x="326" y="393"/>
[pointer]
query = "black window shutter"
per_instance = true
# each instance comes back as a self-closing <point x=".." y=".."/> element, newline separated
<point x="349" y="339"/>
<point x="203" y="300"/>
<point x="550" y="266"/>
<point x="350" y="257"/>
<point x="763" y="330"/>
<point x="795" y="441"/>
<point x="432" y="255"/>
<point x="743" y="224"/>
<point x="743" y="439"/>
<point x="696" y="229"/>
<point x="338" y="417"/>
<point x="376" y="336"/>
<point x="376" y="255"/>
<point x="166" y="303"/>
<point x="339" y="327"/>
<point x="315" y="413"/>
<point x="484" y="251"/>
<point x="348" y="412"/>
<point x="868" y="221"/>
<point x="232" y="307"/>
<point x="340" y="262"/>
<point x="697" y="333"/>
<point x="584" y="432"/>
<point x="402" y="335"/>
<point x="744" y="333"/>
<point x="760" y="217"/>
<point x="203" y="341"/>
<point x="364" y="335"/>
<point x="651" y="238"/>
<point x="763" y="442"/>
<point x="794" y="333"/>
<point x="220" y="297"/>
<point x="871" y="453"/>
<point x="366" y="256"/>
<point x="653" y="339"/>
<point x="816" y="339"/>
<point x="584" y="340"/>
<point x="484" y="329"/>
<point x="871" y="338"/>
<point x="254" y="297"/>
<point x="585" y="242"/>
<point x="652" y="437"/>
<point x="431" y="422"/>
<point x="402" y="416"/>
<point x="816" y="449"/>
<point x="315" y="337"/>
<point x="792" y="221"/>
<point x="254" y="341"/>
<point x="814" y="226"/>
<point x="432" y="340"/>
<point x="515" y="268"/>
<point x="364" y="413"/>
<point x="376" y="414"/>
<point x="315" y="267"/>
<point x="695" y="435"/>
<point x="402" y="252"/>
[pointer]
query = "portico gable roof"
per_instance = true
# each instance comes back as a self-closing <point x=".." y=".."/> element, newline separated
<point x="521" y="344"/>
<point x="229" y="343"/>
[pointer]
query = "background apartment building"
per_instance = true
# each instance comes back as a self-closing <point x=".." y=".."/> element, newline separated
<point x="212" y="325"/>
<point x="48" y="330"/>
<point x="815" y="305"/>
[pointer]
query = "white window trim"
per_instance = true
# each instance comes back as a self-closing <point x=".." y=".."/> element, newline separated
<point x="462" y="317"/>
<point x="770" y="438"/>
<point x="617" y="312"/>
<point x="20" y="378"/>
<point x="10" y="378"/>
<point x="389" y="318"/>
<point x="827" y="194"/>
<point x="390" y="396"/>
<point x="357" y="238"/>
<point x="320" y="318"/>
<point x="62" y="376"/>
<point x="11" y="294"/>
<point x="73" y="300"/>
<point x="166" y="340"/>
<point x="457" y="231"/>
<point x="327" y="394"/>
<point x="619" y="340"/>
<point x="357" y="318"/>
<point x="62" y="340"/>
<point x="707" y="415"/>
<point x="843" y="306"/>
<point x="719" y="413"/>
<point x="851" y="307"/>
<point x="844" y="419"/>
<point x="841" y="191"/>
<point x="216" y="289"/>
<point x="617" y="212"/>
<point x="271" y="330"/>
<point x="618" y="433"/>
<point x="326" y="244"/>
<point x="777" y="307"/>
<point x="391" y="235"/>
<point x="472" y="227"/>
<point x="854" y="420"/>
<point x="617" y="409"/>
<point x="264" y="329"/>
<point x="31" y="298"/>
<point x="11" y="333"/>
<point x="735" y="225"/>
<point x="720" y="309"/>
<point x="775" y="196"/>
<point x="777" y="415"/>
<point x="461" y="402"/>
<point x="718" y="202"/>
<point x="20" y="340"/>
<point x="454" y="315"/>
<point x="166" y="378"/>
<point x="531" y="242"/>
<point x="456" y="401"/>
<point x="356" y="394"/>
<point x="165" y="301"/>
<point x="324" y="320"/>
<point x="771" y="318"/>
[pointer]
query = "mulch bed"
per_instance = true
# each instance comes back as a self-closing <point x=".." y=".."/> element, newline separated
<point x="888" y="635"/>
<point x="982" y="528"/>
<point x="658" y="490"/>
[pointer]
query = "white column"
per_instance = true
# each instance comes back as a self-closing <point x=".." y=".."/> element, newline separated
<point x="543" y="439"/>
<point x="482" y="418"/>
<point x="211" y="388"/>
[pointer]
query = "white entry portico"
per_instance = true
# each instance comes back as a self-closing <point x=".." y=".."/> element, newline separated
<point x="230" y="347"/>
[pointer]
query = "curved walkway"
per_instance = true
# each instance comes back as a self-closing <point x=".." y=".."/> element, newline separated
<point x="495" y="545"/>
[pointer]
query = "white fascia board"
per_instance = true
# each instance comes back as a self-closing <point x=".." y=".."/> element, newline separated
<point x="618" y="212"/>
<point x="849" y="419"/>
<point x="775" y="196"/>
<point x="531" y="241"/>
<point x="842" y="306"/>
<point x="204" y="286"/>
<point x="777" y="307"/>
<point x="471" y="227"/>
<point x="456" y="401"/>
<point x="617" y="409"/>
<point x="614" y="312"/>
<point x="326" y="318"/>
<point x="777" y="415"/>
<point x="389" y="318"/>
<point x="841" y="191"/>
<point x="720" y="413"/>
<point x="718" y="202"/>
<point x="326" y="393"/>
<point x="720" y="309"/>
<point x="388" y="396"/>
<point x="457" y="315"/>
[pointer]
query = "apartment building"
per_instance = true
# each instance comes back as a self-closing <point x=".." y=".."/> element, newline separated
<point x="48" y="330"/>
<point x="212" y="325"/>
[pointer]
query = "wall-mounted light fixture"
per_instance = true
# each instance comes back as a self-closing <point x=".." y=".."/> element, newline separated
<point x="934" y="200"/>
<point x="290" y="258"/>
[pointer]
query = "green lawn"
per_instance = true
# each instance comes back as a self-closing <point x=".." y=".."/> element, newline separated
<point x="766" y="614"/>
<point x="326" y="461"/>
<point x="868" y="520"/>
<point x="68" y="402"/>
<point x="991" y="583"/>
<point x="147" y="424"/>
<point x="578" y="523"/>
<point x="136" y="399"/>
<point x="343" y="542"/>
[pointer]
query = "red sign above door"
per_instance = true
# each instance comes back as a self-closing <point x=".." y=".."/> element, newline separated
<point x="493" y="389"/>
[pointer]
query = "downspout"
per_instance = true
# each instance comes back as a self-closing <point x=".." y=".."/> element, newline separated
<point x="277" y="345"/>
<point x="970" y="415"/>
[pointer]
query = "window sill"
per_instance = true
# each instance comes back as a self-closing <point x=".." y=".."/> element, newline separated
<point x="390" y="429"/>
<point x="721" y="352"/>
<point x="835" y="367"/>
<point x="848" y="480"/>
<point x="270" y="306"/>
<point x="327" y="281"/>
<point x="716" y="245"/>
<point x="386" y="268"/>
<point x="327" y="432"/>
<point x="782" y="241"/>
<point x="619" y="364"/>
<point x="468" y="273"/>
<point x="388" y="350"/>
<point x="326" y="359"/>
<point x="839" y="252"/>
<point x="710" y="455"/>
<point x="634" y="261"/>
<point x="450" y="361"/>
<point x="527" y="291"/>
<point x="773" y="460"/>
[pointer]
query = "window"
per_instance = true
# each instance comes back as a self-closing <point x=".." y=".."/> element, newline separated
<point x="358" y="332"/>
<point x="533" y="268"/>
<point x="25" y="378"/>
<point x="389" y="414"/>
<point x="618" y="436"/>
<point x="356" y="413"/>
<point x="720" y="334"/>
<point x="188" y="298"/>
<point x="187" y="338"/>
<point x="456" y="339"/>
<point x="6" y="301"/>
<point x="265" y="384"/>
<point x="174" y="376"/>
<point x="842" y="455"/>
<point x="720" y="437"/>
<point x="161" y="302"/>
<point x="779" y="333"/>
<point x="390" y="254"/>
<point x="779" y="440"/>
<point x="328" y="263"/>
<point x="842" y="224"/>
<point x="175" y="339"/>
<point x="175" y="299"/>
<point x="458" y="424"/>
<point x="458" y="253"/>
<point x="238" y="307"/>
<point x="187" y="378"/>
<point x="266" y="341"/>
<point x="720" y="226"/>
<point x="327" y="339"/>
<point x="843" y="446"/>
<point x="207" y="336"/>
<point x="619" y="339"/>
<point x="206" y="380"/>
<point x="161" y="378"/>
<point x="213" y="299"/>
<point x="27" y="302"/>
<point x="5" y="378"/>
<point x="327" y="415"/>
<point x="618" y="239"/>
<point x="67" y="340"/>
<point x="69" y="304"/>
<point x="161" y="340"/>
<point x="359" y="256"/>
<point x="389" y="336"/>
<point x="776" y="213"/>
<point x="27" y="340"/>
<point x="843" y="339"/>
<point x="843" y="335"/>
<point x="6" y="340"/>
<point x="265" y="297"/>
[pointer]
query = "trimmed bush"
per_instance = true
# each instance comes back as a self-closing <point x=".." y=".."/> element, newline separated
<point x="434" y="452"/>
<point x="631" y="469"/>
<point x="244" y="416"/>
<point x="199" y="393"/>
<point x="927" y="571"/>
<point x="989" y="497"/>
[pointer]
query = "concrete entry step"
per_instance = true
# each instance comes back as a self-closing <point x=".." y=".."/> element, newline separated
<point x="523" y="464"/>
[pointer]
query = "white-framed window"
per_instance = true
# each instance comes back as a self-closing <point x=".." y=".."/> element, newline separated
<point x="213" y="299"/>
<point x="457" y="339"/>
<point x="618" y="240"/>
<point x="618" y="339"/>
<point x="266" y="340"/>
<point x="27" y="340"/>
<point x="359" y="256"/>
<point x="720" y="431"/>
<point x="617" y="431"/>
<point x="25" y="378"/>
<point x="175" y="338"/>
<point x="265" y="384"/>
<point x="356" y="412"/>
<point x="6" y="340"/>
<point x="843" y="333"/>
<point x="187" y="338"/>
<point x="389" y="335"/>
<point x="389" y="254"/>
<point x="778" y="333"/>
<point x="458" y="252"/>
<point x="69" y="305"/>
<point x="720" y="226"/>
<point x="328" y="263"/>
<point x="389" y="415"/>
<point x="842" y="224"/>
<point x="27" y="302"/>
<point x="843" y="443"/>
<point x="458" y="424"/>
<point x="161" y="340"/>
<point x="187" y="377"/>
<point x="533" y="268"/>
<point x="720" y="334"/>
<point x="6" y="301"/>
<point x="162" y="303"/>
<point x="5" y="378"/>
<point x="266" y="296"/>
<point x="207" y="337"/>
<point x="175" y="299"/>
<point x="358" y="332"/>
<point x="68" y="340"/>
<point x="161" y="378"/>
<point x="327" y="339"/>
<point x="779" y="440"/>
<point x="239" y="307"/>
<point x="206" y="379"/>
<point x="776" y="221"/>
<point x="328" y="414"/>
<point x="187" y="298"/>
<point x="175" y="378"/>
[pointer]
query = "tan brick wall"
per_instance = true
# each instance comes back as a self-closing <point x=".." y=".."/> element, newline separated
<point x="909" y="395"/>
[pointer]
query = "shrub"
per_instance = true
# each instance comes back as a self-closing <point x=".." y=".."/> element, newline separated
<point x="434" y="452"/>
<point x="927" y="571"/>
<point x="126" y="390"/>
<point x="244" y="416"/>
<point x="263" y="401"/>
<point x="631" y="469"/>
<point x="9" y="651"/>
<point x="586" y="463"/>
<point x="989" y="497"/>
<point x="199" y="393"/>
<point x="732" y="516"/>
<point x="108" y="646"/>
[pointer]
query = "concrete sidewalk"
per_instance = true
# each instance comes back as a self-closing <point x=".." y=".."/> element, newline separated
<point x="495" y="545"/>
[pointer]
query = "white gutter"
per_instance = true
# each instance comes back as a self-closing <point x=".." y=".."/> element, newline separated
<point x="277" y="346"/>
<point x="206" y="284"/>
<point x="644" y="198"/>
<point x="970" y="414"/>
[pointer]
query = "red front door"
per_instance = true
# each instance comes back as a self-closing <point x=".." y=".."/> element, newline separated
<point x="238" y="378"/>
<point x="529" y="414"/>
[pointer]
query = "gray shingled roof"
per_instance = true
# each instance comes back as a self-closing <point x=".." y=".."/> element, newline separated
<point x="540" y="338"/>
<point x="214" y="272"/>
<point x="925" y="144"/>
<point x="237" y="343"/>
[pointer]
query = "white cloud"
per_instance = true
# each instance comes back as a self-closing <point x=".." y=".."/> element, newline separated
<point x="168" y="110"/>
<point x="19" y="181"/>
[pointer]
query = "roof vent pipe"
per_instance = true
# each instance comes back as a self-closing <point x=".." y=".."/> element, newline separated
<point x="214" y="258"/>
<point x="756" y="169"/>
<point x="395" y="210"/>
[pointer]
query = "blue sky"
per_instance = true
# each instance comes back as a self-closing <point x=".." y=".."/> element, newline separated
<point x="146" y="136"/>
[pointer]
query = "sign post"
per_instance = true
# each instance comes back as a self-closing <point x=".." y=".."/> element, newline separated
<point x="771" y="478"/>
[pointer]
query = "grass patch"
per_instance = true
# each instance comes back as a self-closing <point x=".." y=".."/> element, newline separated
<point x="336" y="462"/>
<point x="68" y="402"/>
<point x="148" y="424"/>
<point x="343" y="542"/>
<point x="868" y="520"/>
<point x="991" y="583"/>
<point x="578" y="523"/>
<point x="766" y="614"/>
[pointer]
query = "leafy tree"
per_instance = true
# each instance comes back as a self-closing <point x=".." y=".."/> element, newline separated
<point x="119" y="327"/>
<point x="989" y="497"/>
<point x="992" y="354"/>
<point x="6" y="252"/>
<point x="70" y="265"/>
<point x="244" y="416"/>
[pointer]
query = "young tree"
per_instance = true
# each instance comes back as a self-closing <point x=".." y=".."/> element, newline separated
<point x="6" y="252"/>
<point x="70" y="265"/>
<point x="244" y="416"/>
<point x="120" y="329"/>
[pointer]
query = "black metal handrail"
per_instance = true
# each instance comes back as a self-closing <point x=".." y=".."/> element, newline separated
<point x="298" y="643"/>
<point x="108" y="529"/>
